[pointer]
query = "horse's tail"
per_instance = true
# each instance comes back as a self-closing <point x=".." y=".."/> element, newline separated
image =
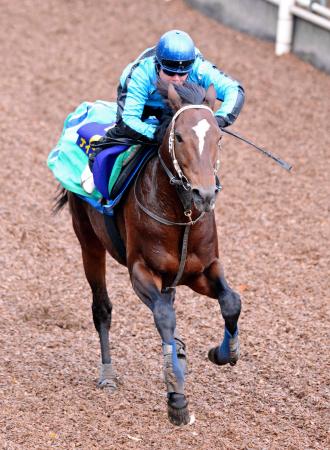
<point x="61" y="199"/>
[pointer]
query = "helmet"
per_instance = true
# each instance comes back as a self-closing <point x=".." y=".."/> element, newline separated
<point x="175" y="52"/>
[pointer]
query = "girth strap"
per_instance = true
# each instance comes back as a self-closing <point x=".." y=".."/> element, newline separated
<point x="113" y="232"/>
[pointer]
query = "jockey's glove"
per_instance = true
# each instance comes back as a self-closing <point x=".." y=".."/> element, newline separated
<point x="162" y="127"/>
<point x="221" y="121"/>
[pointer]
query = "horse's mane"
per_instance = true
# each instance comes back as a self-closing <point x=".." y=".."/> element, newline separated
<point x="190" y="94"/>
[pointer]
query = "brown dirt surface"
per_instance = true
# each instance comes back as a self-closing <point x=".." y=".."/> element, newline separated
<point x="273" y="233"/>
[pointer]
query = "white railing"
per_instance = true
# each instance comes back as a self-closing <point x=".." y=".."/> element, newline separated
<point x="315" y="7"/>
<point x="308" y="10"/>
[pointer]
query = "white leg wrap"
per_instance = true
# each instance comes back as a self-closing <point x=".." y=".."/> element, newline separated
<point x="234" y="348"/>
<point x="107" y="376"/>
<point x="171" y="381"/>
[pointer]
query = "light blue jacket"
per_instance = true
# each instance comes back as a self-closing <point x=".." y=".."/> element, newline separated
<point x="137" y="90"/>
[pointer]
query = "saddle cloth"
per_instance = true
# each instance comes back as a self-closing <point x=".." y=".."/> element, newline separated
<point x="88" y="123"/>
<point x="70" y="156"/>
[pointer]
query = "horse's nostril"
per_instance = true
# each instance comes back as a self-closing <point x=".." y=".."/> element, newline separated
<point x="197" y="194"/>
<point x="204" y="196"/>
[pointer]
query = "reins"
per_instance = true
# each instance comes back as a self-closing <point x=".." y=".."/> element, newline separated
<point x="184" y="191"/>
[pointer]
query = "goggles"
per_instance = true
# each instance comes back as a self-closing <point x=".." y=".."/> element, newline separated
<point x="177" y="66"/>
<point x="172" y="74"/>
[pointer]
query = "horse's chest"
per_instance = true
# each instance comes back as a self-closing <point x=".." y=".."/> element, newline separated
<point x="194" y="264"/>
<point x="169" y="264"/>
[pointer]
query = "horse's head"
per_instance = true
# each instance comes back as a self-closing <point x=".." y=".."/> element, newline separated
<point x="192" y="140"/>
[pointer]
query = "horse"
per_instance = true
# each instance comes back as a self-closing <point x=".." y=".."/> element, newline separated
<point x="172" y="202"/>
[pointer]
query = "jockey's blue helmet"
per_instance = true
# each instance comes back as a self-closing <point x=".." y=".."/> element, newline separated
<point x="175" y="52"/>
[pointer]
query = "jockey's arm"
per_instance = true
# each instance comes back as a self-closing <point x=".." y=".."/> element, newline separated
<point x="132" y="97"/>
<point x="229" y="91"/>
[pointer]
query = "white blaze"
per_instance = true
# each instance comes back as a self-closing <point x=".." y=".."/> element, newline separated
<point x="200" y="129"/>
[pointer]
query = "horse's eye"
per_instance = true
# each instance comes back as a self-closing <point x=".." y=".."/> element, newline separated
<point x="178" y="137"/>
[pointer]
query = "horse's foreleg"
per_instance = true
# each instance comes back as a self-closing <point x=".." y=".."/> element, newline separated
<point x="94" y="260"/>
<point x="148" y="287"/>
<point x="213" y="284"/>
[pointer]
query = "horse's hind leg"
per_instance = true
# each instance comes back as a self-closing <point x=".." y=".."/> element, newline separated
<point x="213" y="284"/>
<point x="94" y="260"/>
<point x="147" y="286"/>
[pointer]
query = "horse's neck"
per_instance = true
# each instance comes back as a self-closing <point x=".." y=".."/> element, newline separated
<point x="161" y="198"/>
<point x="158" y="193"/>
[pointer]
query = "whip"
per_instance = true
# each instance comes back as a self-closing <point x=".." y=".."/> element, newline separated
<point x="265" y="152"/>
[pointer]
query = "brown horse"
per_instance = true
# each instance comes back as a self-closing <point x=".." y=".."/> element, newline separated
<point x="172" y="204"/>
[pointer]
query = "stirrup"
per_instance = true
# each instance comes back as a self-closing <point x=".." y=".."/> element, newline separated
<point x="87" y="180"/>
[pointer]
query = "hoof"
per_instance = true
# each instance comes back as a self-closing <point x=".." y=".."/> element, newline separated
<point x="227" y="352"/>
<point x="217" y="358"/>
<point x="107" y="378"/>
<point x="177" y="409"/>
<point x="107" y="385"/>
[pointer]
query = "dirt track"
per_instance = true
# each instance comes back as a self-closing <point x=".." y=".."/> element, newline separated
<point x="273" y="233"/>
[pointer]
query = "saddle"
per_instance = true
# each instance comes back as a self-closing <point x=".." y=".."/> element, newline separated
<point x="114" y="165"/>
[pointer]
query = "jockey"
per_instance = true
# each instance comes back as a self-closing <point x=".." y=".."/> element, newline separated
<point x="174" y="59"/>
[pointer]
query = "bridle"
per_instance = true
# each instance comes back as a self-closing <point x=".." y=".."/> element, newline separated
<point x="184" y="191"/>
<point x="182" y="180"/>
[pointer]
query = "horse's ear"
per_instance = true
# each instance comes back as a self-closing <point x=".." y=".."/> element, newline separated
<point x="210" y="96"/>
<point x="174" y="98"/>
